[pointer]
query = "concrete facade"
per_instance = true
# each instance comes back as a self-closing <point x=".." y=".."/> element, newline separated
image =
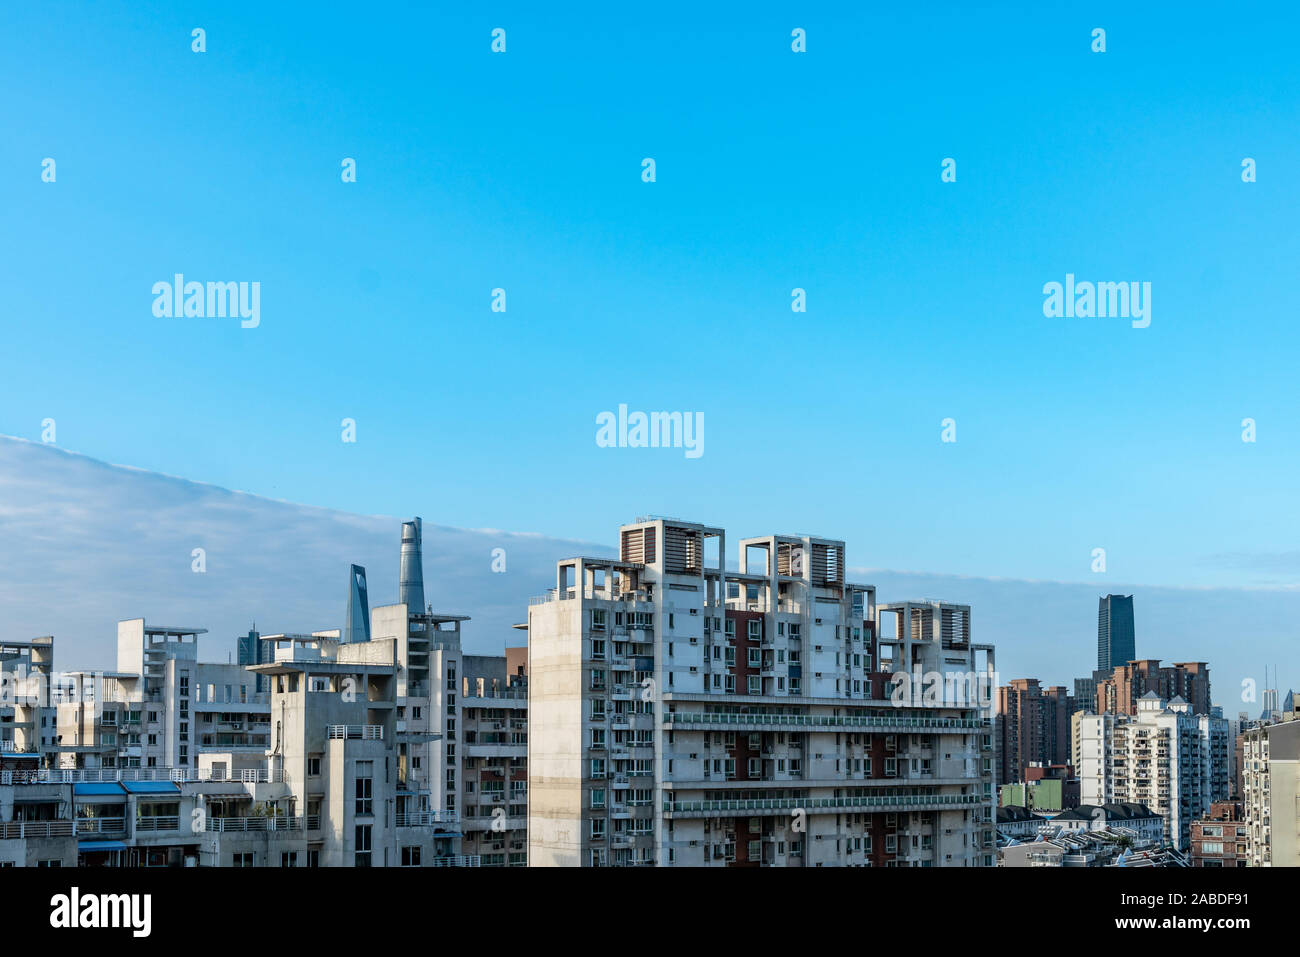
<point x="684" y="714"/>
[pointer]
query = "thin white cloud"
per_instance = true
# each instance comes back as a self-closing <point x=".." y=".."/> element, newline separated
<point x="84" y="543"/>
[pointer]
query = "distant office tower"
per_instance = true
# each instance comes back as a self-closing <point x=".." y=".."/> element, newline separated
<point x="357" y="626"/>
<point x="1033" y="727"/>
<point x="253" y="651"/>
<point x="1123" y="689"/>
<point x="1085" y="690"/>
<point x="410" y="590"/>
<point x="1115" y="637"/>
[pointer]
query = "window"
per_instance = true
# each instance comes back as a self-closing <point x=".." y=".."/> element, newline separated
<point x="313" y="767"/>
<point x="754" y="629"/>
<point x="597" y="798"/>
<point x="289" y="859"/>
<point x="363" y="845"/>
<point x="365" y="789"/>
<point x="597" y="648"/>
<point x="598" y="619"/>
<point x="242" y="860"/>
<point x="411" y="856"/>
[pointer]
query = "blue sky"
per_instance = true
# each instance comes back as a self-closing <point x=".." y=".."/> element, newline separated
<point x="775" y="170"/>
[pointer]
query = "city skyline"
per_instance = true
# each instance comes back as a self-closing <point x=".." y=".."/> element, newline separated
<point x="249" y="541"/>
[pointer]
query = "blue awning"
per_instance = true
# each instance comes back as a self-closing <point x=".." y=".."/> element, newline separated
<point x="151" y="787"/>
<point x="102" y="846"/>
<point x="92" y="789"/>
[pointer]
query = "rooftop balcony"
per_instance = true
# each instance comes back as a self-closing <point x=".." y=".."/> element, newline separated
<point x="356" y="732"/>
<point x="20" y="830"/>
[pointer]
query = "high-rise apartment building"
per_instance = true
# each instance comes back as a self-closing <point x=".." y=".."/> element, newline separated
<point x="683" y="713"/>
<point x="1174" y="761"/>
<point x="1129" y="683"/>
<point x="1116" y="640"/>
<point x="494" y="759"/>
<point x="1032" y="727"/>
<point x="1271" y="794"/>
<point x="26" y="722"/>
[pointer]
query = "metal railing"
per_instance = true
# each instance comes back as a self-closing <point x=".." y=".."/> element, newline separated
<point x="118" y="775"/>
<point x="226" y="825"/>
<point x="163" y="822"/>
<point x="100" y="825"/>
<point x="19" y="830"/>
<point x="359" y="732"/>
<point x="911" y="801"/>
<point x="426" y="818"/>
<point x="823" y="721"/>
<point x="457" y="860"/>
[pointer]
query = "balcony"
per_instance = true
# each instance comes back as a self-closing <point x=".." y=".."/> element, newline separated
<point x="356" y="732"/>
<point x="866" y="801"/>
<point x="115" y="775"/>
<point x="780" y="721"/>
<point x="239" y="825"/>
<point x="164" y="822"/>
<point x="101" y="825"/>
<point x="21" y="830"/>
<point x="426" y="818"/>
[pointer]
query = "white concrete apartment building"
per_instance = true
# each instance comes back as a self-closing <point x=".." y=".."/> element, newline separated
<point x="160" y="708"/>
<point x="1165" y="757"/>
<point x="684" y="714"/>
<point x="26" y="721"/>
<point x="494" y="758"/>
<point x="1271" y="794"/>
<point x="329" y="788"/>
<point x="353" y="758"/>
